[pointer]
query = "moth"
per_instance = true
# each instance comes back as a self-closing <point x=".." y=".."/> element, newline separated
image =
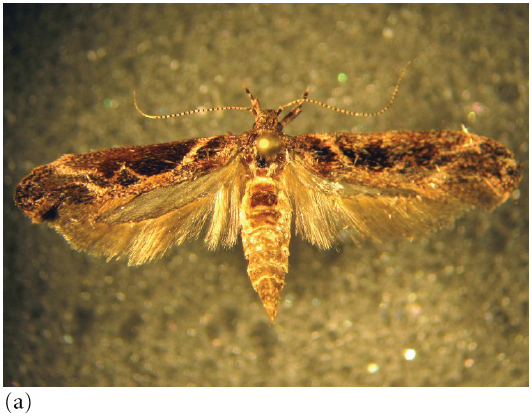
<point x="139" y="201"/>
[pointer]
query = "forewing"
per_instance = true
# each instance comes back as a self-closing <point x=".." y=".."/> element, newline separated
<point x="139" y="201"/>
<point x="392" y="184"/>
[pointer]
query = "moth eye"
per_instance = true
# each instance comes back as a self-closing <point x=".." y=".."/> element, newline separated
<point x="268" y="144"/>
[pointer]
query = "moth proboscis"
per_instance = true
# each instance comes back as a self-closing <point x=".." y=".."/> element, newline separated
<point x="139" y="201"/>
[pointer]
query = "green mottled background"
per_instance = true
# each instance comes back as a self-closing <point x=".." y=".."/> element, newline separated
<point x="459" y="298"/>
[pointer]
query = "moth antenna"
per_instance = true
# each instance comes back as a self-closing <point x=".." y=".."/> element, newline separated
<point x="298" y="105"/>
<point x="353" y="113"/>
<point x="185" y="113"/>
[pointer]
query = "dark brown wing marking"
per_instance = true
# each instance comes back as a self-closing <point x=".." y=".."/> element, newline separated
<point x="140" y="200"/>
<point x="395" y="183"/>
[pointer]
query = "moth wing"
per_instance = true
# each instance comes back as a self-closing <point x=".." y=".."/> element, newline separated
<point x="210" y="203"/>
<point x="392" y="184"/>
<point x="140" y="201"/>
<point x="315" y="202"/>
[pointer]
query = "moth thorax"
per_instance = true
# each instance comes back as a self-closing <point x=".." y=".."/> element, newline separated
<point x="268" y="144"/>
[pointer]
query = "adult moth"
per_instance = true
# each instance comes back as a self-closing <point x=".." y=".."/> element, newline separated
<point x="139" y="201"/>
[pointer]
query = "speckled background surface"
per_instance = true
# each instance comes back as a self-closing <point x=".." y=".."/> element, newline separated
<point x="459" y="298"/>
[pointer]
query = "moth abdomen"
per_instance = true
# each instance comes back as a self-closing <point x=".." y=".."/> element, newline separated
<point x="265" y="216"/>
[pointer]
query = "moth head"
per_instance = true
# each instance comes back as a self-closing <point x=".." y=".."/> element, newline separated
<point x="267" y="120"/>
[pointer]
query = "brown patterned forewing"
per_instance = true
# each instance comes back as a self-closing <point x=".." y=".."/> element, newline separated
<point x="391" y="184"/>
<point x="140" y="200"/>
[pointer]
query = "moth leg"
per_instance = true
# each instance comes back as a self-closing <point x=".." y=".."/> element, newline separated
<point x="294" y="112"/>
